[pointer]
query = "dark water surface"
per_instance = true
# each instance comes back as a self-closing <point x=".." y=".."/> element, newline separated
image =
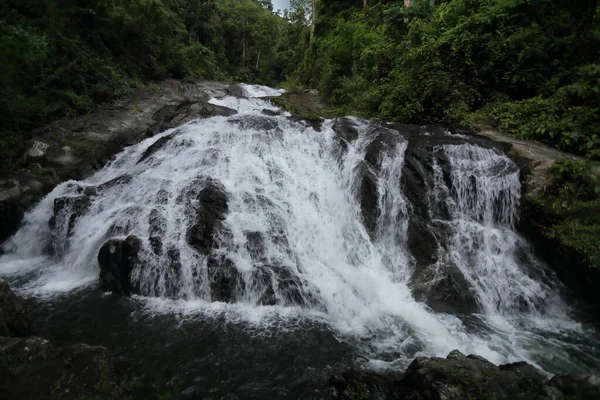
<point x="220" y="359"/>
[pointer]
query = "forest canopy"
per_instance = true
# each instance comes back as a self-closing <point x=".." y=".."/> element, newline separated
<point x="529" y="67"/>
<point x="65" y="57"/>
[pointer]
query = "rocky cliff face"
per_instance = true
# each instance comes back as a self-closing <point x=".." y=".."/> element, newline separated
<point x="76" y="147"/>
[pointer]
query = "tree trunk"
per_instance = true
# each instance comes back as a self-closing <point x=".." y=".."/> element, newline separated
<point x="314" y="19"/>
<point x="244" y="43"/>
<point x="258" y="59"/>
<point x="365" y="4"/>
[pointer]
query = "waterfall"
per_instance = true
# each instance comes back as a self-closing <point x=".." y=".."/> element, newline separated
<point x="291" y="236"/>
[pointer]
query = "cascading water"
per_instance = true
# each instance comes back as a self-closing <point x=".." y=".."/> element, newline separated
<point x="289" y="238"/>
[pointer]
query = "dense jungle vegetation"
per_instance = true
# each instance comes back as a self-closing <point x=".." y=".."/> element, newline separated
<point x="530" y="68"/>
<point x="65" y="57"/>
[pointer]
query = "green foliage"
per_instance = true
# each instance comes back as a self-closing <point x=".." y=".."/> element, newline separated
<point x="572" y="208"/>
<point x="62" y="58"/>
<point x="531" y="67"/>
<point x="577" y="179"/>
<point x="358" y="390"/>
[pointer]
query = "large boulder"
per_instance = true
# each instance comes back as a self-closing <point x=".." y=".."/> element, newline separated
<point x="67" y="210"/>
<point x="444" y="288"/>
<point x="459" y="377"/>
<point x="225" y="280"/>
<point x="14" y="318"/>
<point x="211" y="212"/>
<point x="236" y="91"/>
<point x="117" y="258"/>
<point x="255" y="122"/>
<point x="157" y="145"/>
<point x="201" y="109"/>
<point x="33" y="368"/>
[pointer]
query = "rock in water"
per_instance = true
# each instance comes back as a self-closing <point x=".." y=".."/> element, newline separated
<point x="447" y="291"/>
<point x="211" y="213"/>
<point x="236" y="91"/>
<point x="68" y="209"/>
<point x="14" y="318"/>
<point x="32" y="368"/>
<point x="117" y="258"/>
<point x="459" y="377"/>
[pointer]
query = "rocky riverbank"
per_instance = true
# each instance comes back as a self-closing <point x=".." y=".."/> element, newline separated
<point x="33" y="368"/>
<point x="74" y="148"/>
<point x="459" y="377"/>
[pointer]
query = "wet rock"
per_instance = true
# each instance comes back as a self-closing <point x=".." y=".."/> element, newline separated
<point x="154" y="147"/>
<point x="74" y="148"/>
<point x="422" y="243"/>
<point x="117" y="258"/>
<point x="203" y="109"/>
<point x="315" y="123"/>
<point x="261" y="283"/>
<point x="193" y="392"/>
<point x="290" y="287"/>
<point x="256" y="122"/>
<point x="369" y="200"/>
<point x="446" y="291"/>
<point x="14" y="318"/>
<point x="33" y="368"/>
<point x="206" y="110"/>
<point x="383" y="140"/>
<point x="276" y="284"/>
<point x="271" y="113"/>
<point x="162" y="120"/>
<point x="346" y="129"/>
<point x="225" y="280"/>
<point x="67" y="210"/>
<point x="36" y="150"/>
<point x="119" y="180"/>
<point x="236" y="91"/>
<point x="17" y="193"/>
<point x="90" y="191"/>
<point x="11" y="213"/>
<point x="174" y="256"/>
<point x="162" y="197"/>
<point x="212" y="210"/>
<point x="157" y="222"/>
<point x="156" y="245"/>
<point x="255" y="244"/>
<point x="356" y="384"/>
<point x="574" y="386"/>
<point x="459" y="377"/>
<point x="173" y="273"/>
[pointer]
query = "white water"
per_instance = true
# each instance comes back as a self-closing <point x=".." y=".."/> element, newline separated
<point x="286" y="184"/>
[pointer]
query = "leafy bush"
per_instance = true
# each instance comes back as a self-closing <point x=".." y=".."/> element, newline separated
<point x="532" y="67"/>
<point x="66" y="57"/>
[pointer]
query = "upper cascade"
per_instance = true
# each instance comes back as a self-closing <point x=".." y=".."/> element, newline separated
<point x="402" y="238"/>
